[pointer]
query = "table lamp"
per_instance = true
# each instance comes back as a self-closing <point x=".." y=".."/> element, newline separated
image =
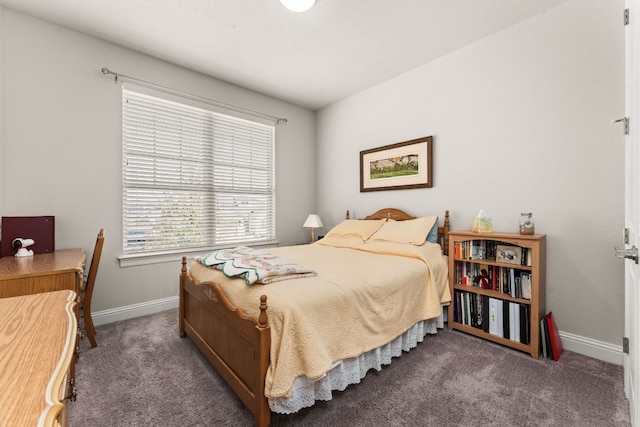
<point x="313" y="221"/>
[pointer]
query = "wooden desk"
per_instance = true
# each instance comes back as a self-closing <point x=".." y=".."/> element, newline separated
<point x="53" y="271"/>
<point x="37" y="342"/>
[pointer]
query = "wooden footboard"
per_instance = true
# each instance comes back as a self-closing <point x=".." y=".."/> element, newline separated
<point x="235" y="344"/>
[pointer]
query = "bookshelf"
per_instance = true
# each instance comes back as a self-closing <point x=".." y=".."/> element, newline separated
<point x="497" y="285"/>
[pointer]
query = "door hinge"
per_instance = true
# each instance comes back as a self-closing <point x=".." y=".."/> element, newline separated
<point x="631" y="253"/>
<point x="625" y="345"/>
<point x="625" y="236"/>
<point x="625" y="124"/>
<point x="626" y="17"/>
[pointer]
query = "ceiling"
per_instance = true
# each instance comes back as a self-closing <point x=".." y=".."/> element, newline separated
<point x="312" y="59"/>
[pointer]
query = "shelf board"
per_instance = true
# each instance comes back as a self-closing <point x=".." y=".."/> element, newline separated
<point x="490" y="293"/>
<point x="527" y="348"/>
<point x="492" y="262"/>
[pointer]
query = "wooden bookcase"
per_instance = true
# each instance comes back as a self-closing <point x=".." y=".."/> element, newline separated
<point x="482" y="302"/>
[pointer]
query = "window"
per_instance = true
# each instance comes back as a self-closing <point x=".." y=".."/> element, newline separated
<point x="193" y="177"/>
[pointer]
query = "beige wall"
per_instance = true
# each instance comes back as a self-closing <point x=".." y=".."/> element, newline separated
<point x="60" y="146"/>
<point x="521" y="123"/>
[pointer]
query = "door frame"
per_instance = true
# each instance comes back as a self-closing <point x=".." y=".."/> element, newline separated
<point x="632" y="211"/>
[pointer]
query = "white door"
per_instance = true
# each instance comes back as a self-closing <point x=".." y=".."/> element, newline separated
<point x="632" y="211"/>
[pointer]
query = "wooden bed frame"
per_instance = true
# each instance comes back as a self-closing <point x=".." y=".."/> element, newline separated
<point x="237" y="345"/>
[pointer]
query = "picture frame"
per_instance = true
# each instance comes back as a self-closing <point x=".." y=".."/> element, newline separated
<point x="399" y="166"/>
<point x="509" y="254"/>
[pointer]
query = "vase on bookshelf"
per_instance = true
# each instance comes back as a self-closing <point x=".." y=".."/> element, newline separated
<point x="527" y="225"/>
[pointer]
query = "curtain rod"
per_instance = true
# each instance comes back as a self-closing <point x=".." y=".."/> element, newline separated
<point x="117" y="76"/>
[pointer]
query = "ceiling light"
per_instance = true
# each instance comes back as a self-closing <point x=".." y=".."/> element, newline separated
<point x="298" y="5"/>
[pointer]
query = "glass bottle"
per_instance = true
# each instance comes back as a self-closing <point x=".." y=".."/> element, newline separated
<point x="526" y="223"/>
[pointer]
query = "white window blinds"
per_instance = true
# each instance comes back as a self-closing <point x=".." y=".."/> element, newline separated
<point x="194" y="178"/>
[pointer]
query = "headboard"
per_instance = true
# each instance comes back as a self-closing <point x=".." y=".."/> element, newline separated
<point x="398" y="215"/>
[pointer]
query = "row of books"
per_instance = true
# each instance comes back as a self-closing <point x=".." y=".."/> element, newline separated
<point x="492" y="250"/>
<point x="511" y="281"/>
<point x="505" y="319"/>
<point x="550" y="337"/>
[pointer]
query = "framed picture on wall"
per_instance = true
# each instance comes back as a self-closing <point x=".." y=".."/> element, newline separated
<point x="399" y="166"/>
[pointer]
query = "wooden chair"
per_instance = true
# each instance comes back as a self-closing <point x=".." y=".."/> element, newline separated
<point x="87" y="290"/>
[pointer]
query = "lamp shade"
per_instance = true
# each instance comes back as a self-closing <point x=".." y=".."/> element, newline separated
<point x="298" y="5"/>
<point x="313" y="221"/>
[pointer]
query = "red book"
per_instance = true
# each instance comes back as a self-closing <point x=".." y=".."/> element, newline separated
<point x="554" y="336"/>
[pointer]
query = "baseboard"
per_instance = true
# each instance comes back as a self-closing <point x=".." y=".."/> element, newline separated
<point x="582" y="345"/>
<point x="135" y="310"/>
<point x="592" y="348"/>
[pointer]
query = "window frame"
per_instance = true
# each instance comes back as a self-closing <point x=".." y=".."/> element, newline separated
<point x="132" y="258"/>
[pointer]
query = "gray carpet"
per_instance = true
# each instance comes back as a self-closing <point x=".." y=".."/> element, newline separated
<point x="143" y="374"/>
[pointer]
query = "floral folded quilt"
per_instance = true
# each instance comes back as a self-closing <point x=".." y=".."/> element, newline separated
<point x="253" y="265"/>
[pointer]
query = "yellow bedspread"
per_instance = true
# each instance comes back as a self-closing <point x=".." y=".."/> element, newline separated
<point x="361" y="299"/>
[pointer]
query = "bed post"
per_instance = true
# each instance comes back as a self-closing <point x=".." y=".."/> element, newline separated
<point x="263" y="412"/>
<point x="262" y="318"/>
<point x="183" y="275"/>
<point x="446" y="227"/>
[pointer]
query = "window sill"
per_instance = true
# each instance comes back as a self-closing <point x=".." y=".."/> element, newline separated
<point x="133" y="260"/>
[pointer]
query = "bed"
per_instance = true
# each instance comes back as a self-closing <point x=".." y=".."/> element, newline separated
<point x="283" y="345"/>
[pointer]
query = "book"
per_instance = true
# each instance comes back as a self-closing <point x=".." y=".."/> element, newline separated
<point x="477" y="251"/>
<point x="516" y="321"/>
<point x="504" y="280"/>
<point x="465" y="308"/>
<point x="485" y="314"/>
<point x="472" y="310"/>
<point x="457" y="250"/>
<point x="479" y="315"/>
<point x="507" y="320"/>
<point x="494" y="278"/>
<point x="493" y="316"/>
<point x="548" y="339"/>
<point x="544" y="337"/>
<point x="525" y="280"/>
<point x="512" y="283"/>
<point x="500" y="327"/>
<point x="525" y="330"/>
<point x="554" y="337"/>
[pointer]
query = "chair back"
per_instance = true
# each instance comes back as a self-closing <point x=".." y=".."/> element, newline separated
<point x="93" y="270"/>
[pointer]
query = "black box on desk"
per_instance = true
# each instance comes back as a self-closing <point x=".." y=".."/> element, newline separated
<point x="39" y="228"/>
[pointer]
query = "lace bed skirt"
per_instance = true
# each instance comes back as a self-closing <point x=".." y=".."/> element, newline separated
<point x="350" y="371"/>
